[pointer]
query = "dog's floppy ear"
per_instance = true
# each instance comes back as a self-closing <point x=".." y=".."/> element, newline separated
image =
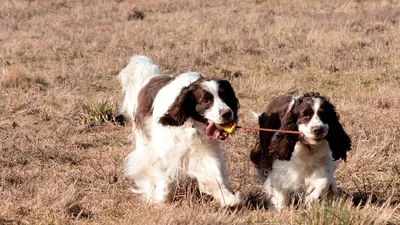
<point x="178" y="112"/>
<point x="261" y="155"/>
<point x="228" y="95"/>
<point x="282" y="146"/>
<point x="339" y="141"/>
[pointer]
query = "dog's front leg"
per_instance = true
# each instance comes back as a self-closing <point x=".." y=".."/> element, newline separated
<point x="318" y="186"/>
<point x="207" y="166"/>
<point x="277" y="197"/>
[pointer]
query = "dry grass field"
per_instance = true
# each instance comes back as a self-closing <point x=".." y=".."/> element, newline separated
<point x="61" y="153"/>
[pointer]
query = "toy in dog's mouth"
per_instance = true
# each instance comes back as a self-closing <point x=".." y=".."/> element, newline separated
<point x="219" y="131"/>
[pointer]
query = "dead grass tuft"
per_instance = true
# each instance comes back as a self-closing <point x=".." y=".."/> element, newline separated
<point x="77" y="211"/>
<point x="13" y="77"/>
<point x="135" y="14"/>
<point x="341" y="211"/>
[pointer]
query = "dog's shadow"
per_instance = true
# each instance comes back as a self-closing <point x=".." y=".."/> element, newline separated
<point x="189" y="194"/>
<point x="362" y="198"/>
<point x="256" y="200"/>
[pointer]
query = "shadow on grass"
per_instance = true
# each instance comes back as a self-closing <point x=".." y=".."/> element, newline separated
<point x="190" y="194"/>
<point x="361" y="198"/>
<point x="256" y="200"/>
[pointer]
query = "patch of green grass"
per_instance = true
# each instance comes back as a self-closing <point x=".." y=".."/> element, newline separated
<point x="97" y="114"/>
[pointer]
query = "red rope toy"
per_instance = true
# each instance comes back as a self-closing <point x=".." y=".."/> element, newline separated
<point x="268" y="130"/>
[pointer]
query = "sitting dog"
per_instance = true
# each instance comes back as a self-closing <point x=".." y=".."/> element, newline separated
<point x="175" y="121"/>
<point x="299" y="164"/>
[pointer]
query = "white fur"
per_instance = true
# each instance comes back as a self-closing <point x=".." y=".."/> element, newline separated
<point x="167" y="95"/>
<point x="219" y="107"/>
<point x="254" y="115"/>
<point x="162" y="160"/>
<point x="294" y="99"/>
<point x="132" y="78"/>
<point x="308" y="171"/>
<point x="306" y="129"/>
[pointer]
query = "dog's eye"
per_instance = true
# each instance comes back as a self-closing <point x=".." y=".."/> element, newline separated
<point x="206" y="101"/>
<point x="321" y="113"/>
<point x="307" y="113"/>
<point x="323" y="116"/>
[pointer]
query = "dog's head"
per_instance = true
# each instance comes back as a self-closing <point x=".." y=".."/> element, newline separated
<point x="316" y="118"/>
<point x="209" y="101"/>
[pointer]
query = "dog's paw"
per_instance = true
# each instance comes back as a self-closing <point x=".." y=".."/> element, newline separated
<point x="312" y="197"/>
<point x="316" y="193"/>
<point x="232" y="201"/>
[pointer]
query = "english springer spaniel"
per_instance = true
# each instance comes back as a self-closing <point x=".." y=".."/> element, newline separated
<point x="174" y="123"/>
<point x="299" y="164"/>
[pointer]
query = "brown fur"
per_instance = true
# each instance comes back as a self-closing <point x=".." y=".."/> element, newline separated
<point x="339" y="141"/>
<point x="184" y="106"/>
<point x="189" y="103"/>
<point x="278" y="116"/>
<point x="262" y="154"/>
<point x="146" y="98"/>
<point x="178" y="112"/>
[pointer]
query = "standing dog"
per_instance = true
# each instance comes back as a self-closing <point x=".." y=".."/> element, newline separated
<point x="174" y="125"/>
<point x="301" y="164"/>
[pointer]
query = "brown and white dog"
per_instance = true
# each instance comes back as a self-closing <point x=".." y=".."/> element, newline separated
<point x="299" y="164"/>
<point x="174" y="125"/>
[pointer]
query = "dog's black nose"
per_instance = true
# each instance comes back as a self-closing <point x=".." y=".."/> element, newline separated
<point x="317" y="130"/>
<point x="227" y="115"/>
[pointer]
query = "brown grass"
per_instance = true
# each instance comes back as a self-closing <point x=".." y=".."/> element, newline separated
<point x="61" y="156"/>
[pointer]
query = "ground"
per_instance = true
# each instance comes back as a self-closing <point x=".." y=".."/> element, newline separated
<point x="61" y="152"/>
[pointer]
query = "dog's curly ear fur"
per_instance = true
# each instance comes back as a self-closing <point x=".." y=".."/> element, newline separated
<point x="260" y="155"/>
<point x="339" y="141"/>
<point x="228" y="95"/>
<point x="177" y="113"/>
<point x="282" y="146"/>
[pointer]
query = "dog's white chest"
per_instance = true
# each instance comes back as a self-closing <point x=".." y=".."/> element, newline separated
<point x="305" y="161"/>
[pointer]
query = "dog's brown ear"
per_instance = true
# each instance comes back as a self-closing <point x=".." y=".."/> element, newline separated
<point x="280" y="114"/>
<point x="228" y="95"/>
<point x="257" y="153"/>
<point x="282" y="146"/>
<point x="339" y="141"/>
<point x="178" y="112"/>
<point x="261" y="155"/>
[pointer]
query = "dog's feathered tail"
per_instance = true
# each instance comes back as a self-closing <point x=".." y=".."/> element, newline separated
<point x="132" y="78"/>
<point x="254" y="115"/>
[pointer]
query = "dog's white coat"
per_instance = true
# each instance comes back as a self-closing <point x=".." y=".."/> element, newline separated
<point x="162" y="160"/>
